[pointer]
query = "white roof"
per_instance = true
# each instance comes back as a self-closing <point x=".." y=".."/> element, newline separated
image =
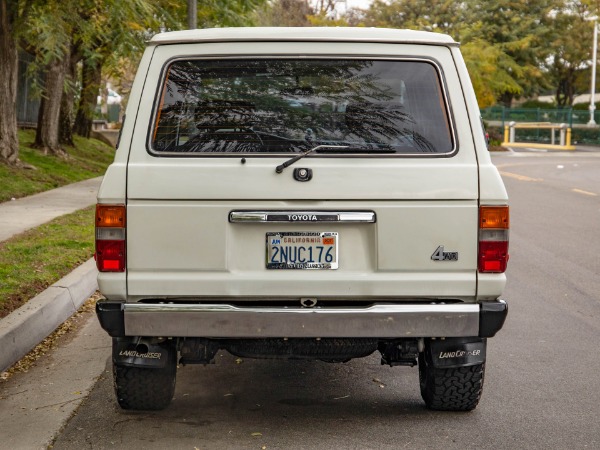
<point x="278" y="34"/>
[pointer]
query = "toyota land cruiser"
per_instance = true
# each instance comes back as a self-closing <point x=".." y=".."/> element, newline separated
<point x="312" y="193"/>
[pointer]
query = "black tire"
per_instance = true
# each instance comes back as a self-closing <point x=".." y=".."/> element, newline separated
<point x="145" y="389"/>
<point x="452" y="389"/>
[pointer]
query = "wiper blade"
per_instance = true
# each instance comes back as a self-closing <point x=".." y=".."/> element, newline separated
<point x="357" y="149"/>
<point x="291" y="161"/>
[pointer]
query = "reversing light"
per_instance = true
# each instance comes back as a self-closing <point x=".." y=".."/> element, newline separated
<point x="110" y="238"/>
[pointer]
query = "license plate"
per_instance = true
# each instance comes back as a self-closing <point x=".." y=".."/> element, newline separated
<point x="302" y="250"/>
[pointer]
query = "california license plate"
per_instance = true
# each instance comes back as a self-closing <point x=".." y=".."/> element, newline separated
<point x="302" y="250"/>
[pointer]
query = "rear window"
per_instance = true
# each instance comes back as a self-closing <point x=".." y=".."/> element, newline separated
<point x="270" y="106"/>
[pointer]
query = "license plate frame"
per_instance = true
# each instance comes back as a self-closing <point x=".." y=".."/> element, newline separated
<point x="311" y="250"/>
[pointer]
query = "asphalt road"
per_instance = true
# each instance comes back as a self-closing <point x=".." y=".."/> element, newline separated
<point x="542" y="386"/>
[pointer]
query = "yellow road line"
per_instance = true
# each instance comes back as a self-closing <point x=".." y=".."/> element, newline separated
<point x="579" y="191"/>
<point x="519" y="177"/>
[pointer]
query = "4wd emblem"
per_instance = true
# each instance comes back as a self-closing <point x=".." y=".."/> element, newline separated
<point x="441" y="255"/>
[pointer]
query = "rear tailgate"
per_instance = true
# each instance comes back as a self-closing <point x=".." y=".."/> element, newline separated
<point x="181" y="241"/>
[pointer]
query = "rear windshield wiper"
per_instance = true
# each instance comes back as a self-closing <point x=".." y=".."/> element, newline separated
<point x="357" y="149"/>
<point x="325" y="148"/>
<point x="291" y="161"/>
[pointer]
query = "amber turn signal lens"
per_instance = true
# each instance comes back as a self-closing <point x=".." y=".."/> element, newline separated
<point x="494" y="217"/>
<point x="110" y="216"/>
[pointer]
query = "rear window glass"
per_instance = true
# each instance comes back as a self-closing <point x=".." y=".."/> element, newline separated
<point x="268" y="106"/>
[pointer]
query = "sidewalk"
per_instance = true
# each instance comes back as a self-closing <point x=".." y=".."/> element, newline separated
<point x="29" y="212"/>
<point x="24" y="328"/>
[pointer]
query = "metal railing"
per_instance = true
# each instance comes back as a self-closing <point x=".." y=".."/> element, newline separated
<point x="497" y="117"/>
<point x="565" y="135"/>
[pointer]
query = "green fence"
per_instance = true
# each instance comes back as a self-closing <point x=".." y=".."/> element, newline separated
<point x="501" y="114"/>
<point x="497" y="116"/>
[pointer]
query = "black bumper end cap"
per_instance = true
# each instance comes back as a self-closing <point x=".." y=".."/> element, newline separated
<point x="111" y="317"/>
<point x="492" y="316"/>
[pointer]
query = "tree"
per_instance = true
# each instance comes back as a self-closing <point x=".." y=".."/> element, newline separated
<point x="47" y="132"/>
<point x="504" y="42"/>
<point x="232" y="13"/>
<point x="487" y="65"/>
<point x="13" y="15"/>
<point x="55" y="34"/>
<point x="48" y="34"/>
<point x="521" y="31"/>
<point x="106" y="45"/>
<point x="67" y="102"/>
<point x="570" y="50"/>
<point x="430" y="15"/>
<point x="101" y="44"/>
<point x="211" y="13"/>
<point x="285" y="13"/>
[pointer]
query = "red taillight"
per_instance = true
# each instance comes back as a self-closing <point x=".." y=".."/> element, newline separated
<point x="110" y="256"/>
<point x="493" y="256"/>
<point x="493" y="238"/>
<point x="110" y="238"/>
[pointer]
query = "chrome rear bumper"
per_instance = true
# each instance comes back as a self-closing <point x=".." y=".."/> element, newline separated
<point x="380" y="320"/>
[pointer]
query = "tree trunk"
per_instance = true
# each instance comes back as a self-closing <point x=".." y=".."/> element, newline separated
<point x="91" y="78"/>
<point x="65" y="122"/>
<point x="506" y="99"/>
<point x="38" y="131"/>
<point x="48" y="125"/>
<point x="65" y="132"/>
<point x="9" y="141"/>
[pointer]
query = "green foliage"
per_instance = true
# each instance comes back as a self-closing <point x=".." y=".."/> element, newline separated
<point x="429" y="15"/>
<point x="570" y="50"/>
<point x="518" y="29"/>
<point x="89" y="158"/>
<point x="95" y="29"/>
<point x="533" y="104"/>
<point x="284" y="13"/>
<point x="211" y="13"/>
<point x="585" y="106"/>
<point x="499" y="113"/>
<point x="493" y="72"/>
<point x="512" y="48"/>
<point x="589" y="136"/>
<point x="32" y="261"/>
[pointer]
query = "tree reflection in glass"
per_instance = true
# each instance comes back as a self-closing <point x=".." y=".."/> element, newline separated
<point x="290" y="105"/>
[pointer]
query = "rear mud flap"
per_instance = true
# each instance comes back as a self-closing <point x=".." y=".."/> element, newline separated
<point x="133" y="352"/>
<point x="456" y="352"/>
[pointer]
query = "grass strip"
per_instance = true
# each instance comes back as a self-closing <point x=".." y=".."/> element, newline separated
<point x="88" y="159"/>
<point x="38" y="258"/>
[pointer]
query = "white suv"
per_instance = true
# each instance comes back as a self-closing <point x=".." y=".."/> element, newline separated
<point x="313" y="193"/>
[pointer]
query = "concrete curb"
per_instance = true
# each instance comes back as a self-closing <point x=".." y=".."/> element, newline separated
<point x="26" y="327"/>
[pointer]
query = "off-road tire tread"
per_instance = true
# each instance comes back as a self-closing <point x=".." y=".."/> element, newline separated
<point x="145" y="389"/>
<point x="452" y="389"/>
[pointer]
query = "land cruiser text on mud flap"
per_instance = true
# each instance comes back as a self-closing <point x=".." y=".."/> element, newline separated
<point x="311" y="193"/>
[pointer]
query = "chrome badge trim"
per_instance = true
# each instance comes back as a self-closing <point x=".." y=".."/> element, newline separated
<point x="301" y="216"/>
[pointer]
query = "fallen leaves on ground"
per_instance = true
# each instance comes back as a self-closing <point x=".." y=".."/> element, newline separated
<point x="378" y="381"/>
<point x="71" y="324"/>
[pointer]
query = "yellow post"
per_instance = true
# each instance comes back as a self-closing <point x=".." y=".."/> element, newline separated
<point x="505" y="134"/>
<point x="568" y="143"/>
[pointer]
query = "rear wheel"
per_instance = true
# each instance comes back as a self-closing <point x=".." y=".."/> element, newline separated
<point x="145" y="388"/>
<point x="450" y="389"/>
